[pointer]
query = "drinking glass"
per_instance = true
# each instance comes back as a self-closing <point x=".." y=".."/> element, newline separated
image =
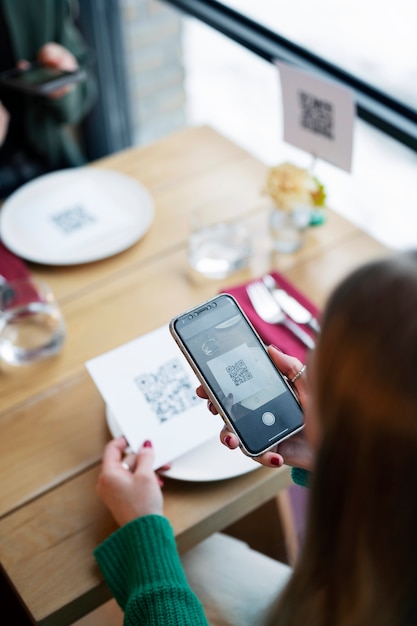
<point x="288" y="228"/>
<point x="31" y="322"/>
<point x="219" y="242"/>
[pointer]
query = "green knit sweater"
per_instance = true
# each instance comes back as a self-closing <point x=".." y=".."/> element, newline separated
<point x="143" y="570"/>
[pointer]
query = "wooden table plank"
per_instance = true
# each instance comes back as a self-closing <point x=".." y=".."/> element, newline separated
<point x="48" y="441"/>
<point x="179" y="156"/>
<point x="55" y="535"/>
<point x="330" y="266"/>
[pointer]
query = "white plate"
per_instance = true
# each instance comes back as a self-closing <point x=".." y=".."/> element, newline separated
<point x="209" y="461"/>
<point x="76" y="215"/>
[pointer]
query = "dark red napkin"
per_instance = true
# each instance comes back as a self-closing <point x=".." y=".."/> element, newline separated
<point x="11" y="267"/>
<point x="276" y="334"/>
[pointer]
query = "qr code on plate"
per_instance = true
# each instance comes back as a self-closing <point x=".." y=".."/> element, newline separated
<point x="72" y="219"/>
<point x="167" y="390"/>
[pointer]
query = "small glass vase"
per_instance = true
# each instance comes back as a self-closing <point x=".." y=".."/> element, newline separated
<point x="287" y="227"/>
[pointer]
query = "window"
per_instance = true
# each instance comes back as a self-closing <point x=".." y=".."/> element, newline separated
<point x="372" y="40"/>
<point x="324" y="25"/>
<point x="235" y="88"/>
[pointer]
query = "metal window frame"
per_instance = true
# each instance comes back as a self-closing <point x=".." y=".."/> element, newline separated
<point x="372" y="105"/>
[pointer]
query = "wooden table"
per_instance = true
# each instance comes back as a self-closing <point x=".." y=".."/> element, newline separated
<point x="52" y="419"/>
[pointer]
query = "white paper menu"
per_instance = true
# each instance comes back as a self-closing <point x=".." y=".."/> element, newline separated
<point x="150" y="389"/>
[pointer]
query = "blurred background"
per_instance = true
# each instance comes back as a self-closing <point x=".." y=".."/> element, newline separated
<point x="159" y="69"/>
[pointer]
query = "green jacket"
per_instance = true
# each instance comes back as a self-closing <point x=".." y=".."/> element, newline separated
<point x="32" y="23"/>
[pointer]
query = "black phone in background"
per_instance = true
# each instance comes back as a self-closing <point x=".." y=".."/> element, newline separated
<point x="40" y="80"/>
<point x="230" y="360"/>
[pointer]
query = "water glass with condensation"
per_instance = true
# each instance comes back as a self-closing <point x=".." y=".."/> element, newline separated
<point x="31" y="323"/>
<point x="219" y="242"/>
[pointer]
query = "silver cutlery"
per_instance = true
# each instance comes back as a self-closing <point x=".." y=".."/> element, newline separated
<point x="269" y="310"/>
<point x="290" y="305"/>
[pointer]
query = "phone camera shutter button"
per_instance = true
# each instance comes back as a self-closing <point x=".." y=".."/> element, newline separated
<point x="268" y="418"/>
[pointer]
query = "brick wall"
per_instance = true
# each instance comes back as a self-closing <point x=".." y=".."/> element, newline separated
<point x="154" y="67"/>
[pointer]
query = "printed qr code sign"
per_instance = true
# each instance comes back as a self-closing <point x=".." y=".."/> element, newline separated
<point x="318" y="115"/>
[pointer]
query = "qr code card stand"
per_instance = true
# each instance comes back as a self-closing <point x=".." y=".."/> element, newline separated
<point x="318" y="115"/>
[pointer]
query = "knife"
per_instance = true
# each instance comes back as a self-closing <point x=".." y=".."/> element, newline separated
<point x="290" y="305"/>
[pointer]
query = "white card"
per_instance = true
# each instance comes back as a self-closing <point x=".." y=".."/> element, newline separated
<point x="150" y="389"/>
<point x="318" y="115"/>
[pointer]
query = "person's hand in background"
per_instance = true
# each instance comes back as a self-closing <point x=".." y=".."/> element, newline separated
<point x="55" y="56"/>
<point x="4" y="122"/>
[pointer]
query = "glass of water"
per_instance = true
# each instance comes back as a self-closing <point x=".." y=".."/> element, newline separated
<point x="219" y="242"/>
<point x="31" y="322"/>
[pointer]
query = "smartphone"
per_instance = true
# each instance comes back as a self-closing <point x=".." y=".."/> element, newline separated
<point x="38" y="79"/>
<point x="229" y="358"/>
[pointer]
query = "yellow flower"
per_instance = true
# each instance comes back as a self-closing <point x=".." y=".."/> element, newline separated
<point x="288" y="185"/>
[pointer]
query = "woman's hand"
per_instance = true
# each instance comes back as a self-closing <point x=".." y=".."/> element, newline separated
<point x="54" y="55"/>
<point x="295" y="450"/>
<point x="4" y="122"/>
<point x="128" y="485"/>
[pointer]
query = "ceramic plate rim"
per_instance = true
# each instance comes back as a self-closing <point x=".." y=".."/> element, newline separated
<point x="9" y="206"/>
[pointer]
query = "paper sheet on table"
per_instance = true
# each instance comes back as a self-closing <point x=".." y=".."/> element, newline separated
<point x="150" y="389"/>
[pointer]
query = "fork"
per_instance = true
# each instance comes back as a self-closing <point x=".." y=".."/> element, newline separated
<point x="269" y="311"/>
<point x="291" y="307"/>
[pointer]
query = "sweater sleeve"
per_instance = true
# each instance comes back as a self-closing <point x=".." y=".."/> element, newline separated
<point x="143" y="570"/>
<point x="300" y="476"/>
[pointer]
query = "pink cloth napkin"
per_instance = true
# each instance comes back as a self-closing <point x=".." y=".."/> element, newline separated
<point x="11" y="267"/>
<point x="276" y="334"/>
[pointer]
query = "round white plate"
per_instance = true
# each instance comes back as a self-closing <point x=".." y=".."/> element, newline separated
<point x="77" y="215"/>
<point x="209" y="461"/>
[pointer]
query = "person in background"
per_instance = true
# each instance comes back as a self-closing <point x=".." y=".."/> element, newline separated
<point x="358" y="451"/>
<point x="37" y="132"/>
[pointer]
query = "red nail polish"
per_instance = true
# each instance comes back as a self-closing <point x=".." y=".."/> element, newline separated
<point x="275" y="461"/>
<point x="227" y="441"/>
<point x="147" y="444"/>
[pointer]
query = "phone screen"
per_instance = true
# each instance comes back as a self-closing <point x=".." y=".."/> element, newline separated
<point x="224" y="349"/>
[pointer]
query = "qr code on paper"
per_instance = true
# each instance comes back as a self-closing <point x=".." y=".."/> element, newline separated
<point x="239" y="372"/>
<point x="168" y="390"/>
<point x="72" y="219"/>
<point x="317" y="115"/>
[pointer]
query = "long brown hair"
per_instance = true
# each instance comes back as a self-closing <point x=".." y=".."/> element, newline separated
<point x="358" y="565"/>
